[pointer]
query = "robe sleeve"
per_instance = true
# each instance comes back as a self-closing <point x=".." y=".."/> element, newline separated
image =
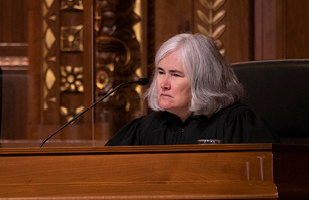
<point x="127" y="135"/>
<point x="246" y="126"/>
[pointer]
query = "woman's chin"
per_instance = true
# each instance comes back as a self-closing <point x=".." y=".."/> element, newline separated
<point x="165" y="105"/>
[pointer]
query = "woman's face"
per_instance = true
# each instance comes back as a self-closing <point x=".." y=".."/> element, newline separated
<point x="174" y="91"/>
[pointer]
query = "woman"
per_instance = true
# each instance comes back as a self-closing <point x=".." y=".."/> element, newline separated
<point x="194" y="95"/>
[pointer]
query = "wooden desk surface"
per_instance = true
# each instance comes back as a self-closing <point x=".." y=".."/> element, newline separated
<point x="225" y="171"/>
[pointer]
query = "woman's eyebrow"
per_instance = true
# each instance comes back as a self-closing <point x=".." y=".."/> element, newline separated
<point x="175" y="71"/>
<point x="170" y="71"/>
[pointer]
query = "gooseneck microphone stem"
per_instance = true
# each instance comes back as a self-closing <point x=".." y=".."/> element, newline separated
<point x="141" y="81"/>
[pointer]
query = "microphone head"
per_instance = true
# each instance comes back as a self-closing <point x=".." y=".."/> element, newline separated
<point x="142" y="81"/>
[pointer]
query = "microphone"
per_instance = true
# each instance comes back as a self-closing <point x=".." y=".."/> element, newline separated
<point x="141" y="81"/>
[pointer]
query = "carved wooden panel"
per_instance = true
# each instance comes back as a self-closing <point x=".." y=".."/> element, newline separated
<point x="219" y="19"/>
<point x="117" y="60"/>
<point x="82" y="50"/>
<point x="59" y="62"/>
<point x="228" y="22"/>
<point x="211" y="17"/>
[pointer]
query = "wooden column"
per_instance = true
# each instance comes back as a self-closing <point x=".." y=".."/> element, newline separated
<point x="280" y="30"/>
<point x="79" y="51"/>
<point x="60" y="67"/>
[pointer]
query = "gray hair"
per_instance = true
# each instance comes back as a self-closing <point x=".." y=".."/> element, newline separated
<point x="214" y="84"/>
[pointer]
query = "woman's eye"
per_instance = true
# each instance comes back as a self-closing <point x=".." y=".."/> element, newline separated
<point x="161" y="72"/>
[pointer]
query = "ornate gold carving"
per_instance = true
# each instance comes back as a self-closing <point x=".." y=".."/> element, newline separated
<point x="138" y="88"/>
<point x="48" y="58"/>
<point x="138" y="26"/>
<point x="45" y="90"/>
<point x="123" y="100"/>
<point x="44" y="10"/>
<point x="213" y="19"/>
<point x="49" y="38"/>
<point x="122" y="53"/>
<point x="52" y="59"/>
<point x="118" y="56"/>
<point x="53" y="17"/>
<point x="53" y="99"/>
<point x="71" y="79"/>
<point x="49" y="3"/>
<point x="61" y="65"/>
<point x="45" y="93"/>
<point x="50" y="79"/>
<point x="70" y="113"/>
<point x="101" y="79"/>
<point x="72" y="5"/>
<point x="111" y="67"/>
<point x="72" y="38"/>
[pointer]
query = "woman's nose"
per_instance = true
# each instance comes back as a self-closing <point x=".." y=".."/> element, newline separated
<point x="166" y="84"/>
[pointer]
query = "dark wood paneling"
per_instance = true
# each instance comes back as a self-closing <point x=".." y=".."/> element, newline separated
<point x="238" y="36"/>
<point x="35" y="60"/>
<point x="280" y="29"/>
<point x="14" y="99"/>
<point x="13" y="21"/>
<point x="13" y="61"/>
<point x="13" y="49"/>
<point x="177" y="16"/>
<point x="44" y="120"/>
<point x="297" y="30"/>
<point x="172" y="17"/>
<point x="265" y="29"/>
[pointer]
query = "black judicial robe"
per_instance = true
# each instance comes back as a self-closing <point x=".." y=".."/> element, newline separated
<point x="236" y="123"/>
